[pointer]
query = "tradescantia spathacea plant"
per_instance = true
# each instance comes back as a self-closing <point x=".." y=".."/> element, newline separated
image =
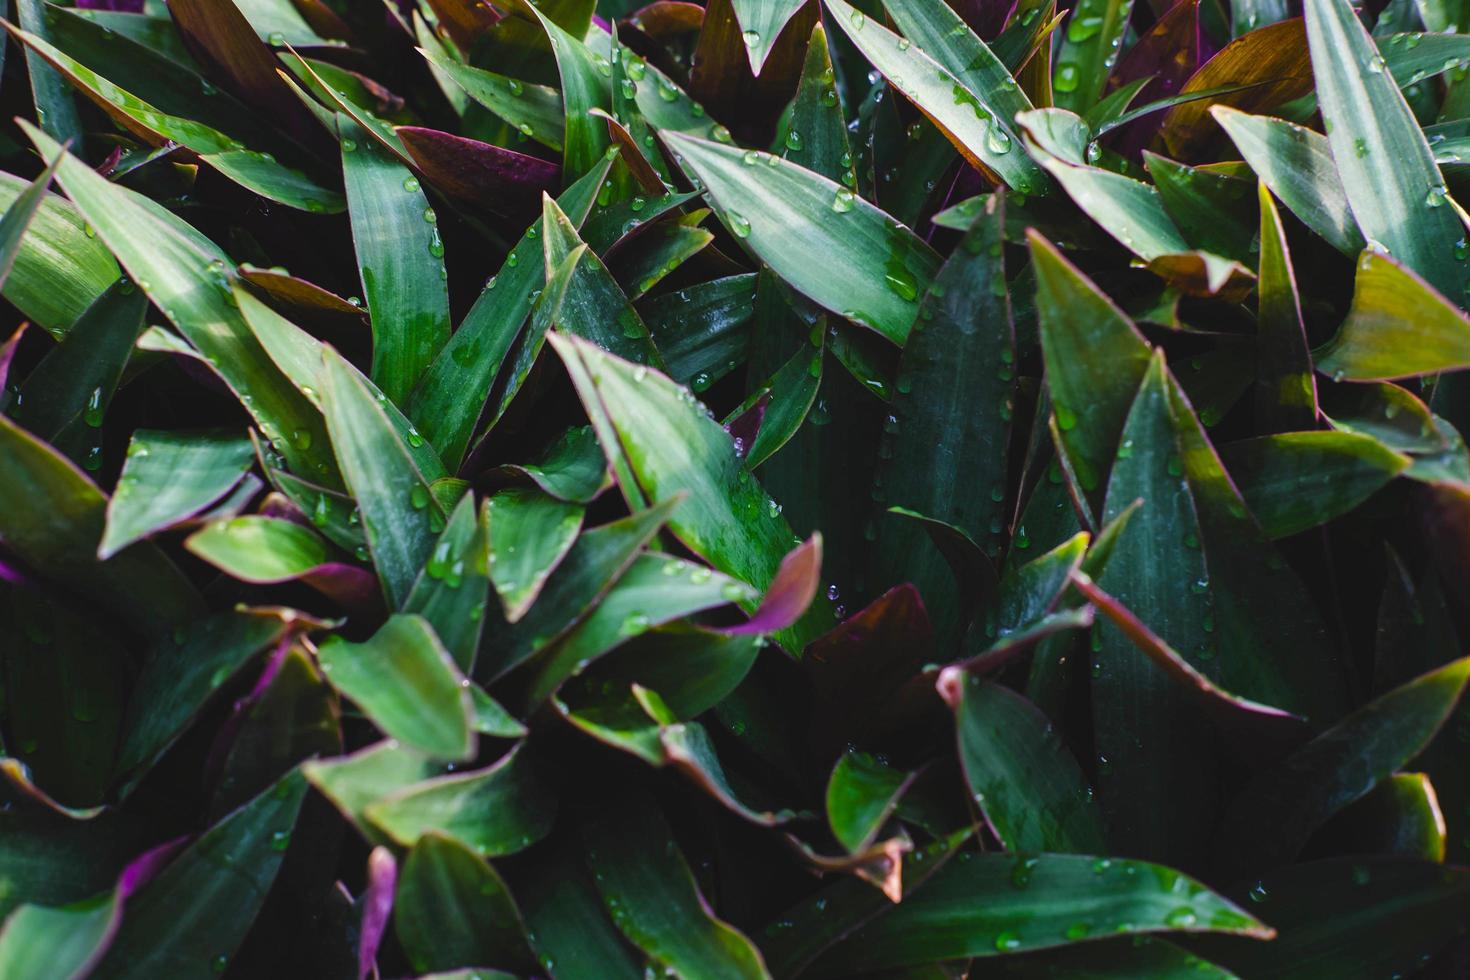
<point x="758" y="488"/>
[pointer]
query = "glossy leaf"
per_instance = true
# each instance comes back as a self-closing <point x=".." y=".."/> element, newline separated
<point x="407" y="684"/>
<point x="499" y="810"/>
<point x="1298" y="480"/>
<point x="651" y="895"/>
<point x="973" y="908"/>
<point x="1286" y="392"/>
<point x="1397" y="327"/>
<point x="1396" y="190"/>
<point x="876" y="268"/>
<point x="861" y="794"/>
<point x="59" y="269"/>
<point x="1087" y="52"/>
<point x="1026" y="782"/>
<point x="452" y="909"/>
<point x="168" y="478"/>
<point x="452" y="590"/>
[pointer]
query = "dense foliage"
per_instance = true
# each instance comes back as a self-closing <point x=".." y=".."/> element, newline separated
<point x="762" y="488"/>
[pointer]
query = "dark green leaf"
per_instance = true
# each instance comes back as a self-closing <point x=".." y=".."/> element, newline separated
<point x="530" y="533"/>
<point x="452" y="590"/>
<point x="861" y="794"/>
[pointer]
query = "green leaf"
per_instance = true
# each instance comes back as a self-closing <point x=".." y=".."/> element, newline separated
<point x="1129" y="210"/>
<point x="168" y="477"/>
<point x="594" y="306"/>
<point x="1114" y="959"/>
<point x="573" y="469"/>
<point x="255" y="171"/>
<point x="701" y="331"/>
<point x="570" y="927"/>
<point x="653" y="591"/>
<point x="77" y="378"/>
<point x="583" y="88"/>
<point x="499" y="810"/>
<point x="1360" y="915"/>
<point x="1388" y="171"/>
<point x="1296" y="163"/>
<point x="1273" y="818"/>
<point x="60" y="270"/>
<point x="52" y="517"/>
<point x="1020" y="773"/>
<point x="1090" y="395"/>
<point x="946" y="439"/>
<point x="451" y="909"/>
<point x="530" y="533"/>
<point x="1214" y="211"/>
<point x="1397" y="327"/>
<point x="447" y="403"/>
<point x="875" y="269"/>
<point x="977" y="120"/>
<point x="1402" y="816"/>
<point x="55" y="108"/>
<point x="1388" y="413"/>
<point x="761" y="22"/>
<point x="399" y="514"/>
<point x="669" y="446"/>
<point x="353" y="782"/>
<point x="19" y="215"/>
<point x="259" y="549"/>
<point x="1088" y="50"/>
<point x="1298" y="480"/>
<point x="792" y="391"/>
<point x="401" y="258"/>
<point x="1286" y="392"/>
<point x="191" y="916"/>
<point x="452" y="590"/>
<point x="821" y="143"/>
<point x="183" y="673"/>
<point x="973" y="908"/>
<point x="589" y="569"/>
<point x="185" y="274"/>
<point x="651" y="894"/>
<point x="41" y="943"/>
<point x="861" y="794"/>
<point x="407" y="684"/>
<point x="534" y="110"/>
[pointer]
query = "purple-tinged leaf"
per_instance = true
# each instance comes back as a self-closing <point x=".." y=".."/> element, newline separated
<point x="790" y="592"/>
<point x="377" y="906"/>
<point x="480" y="174"/>
<point x="1168" y="54"/>
<point x="266" y="551"/>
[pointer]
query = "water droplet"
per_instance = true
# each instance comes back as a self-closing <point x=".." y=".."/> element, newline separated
<point x="859" y="19"/>
<point x="793" y="140"/>
<point x="419" y="496"/>
<point x="1007" y="941"/>
<point x="751" y="38"/>
<point x="739" y="227"/>
<point x="842" y="200"/>
<point x="93" y="413"/>
<point x="275" y="38"/>
<point x="280" y="840"/>
<point x="1067" y="78"/>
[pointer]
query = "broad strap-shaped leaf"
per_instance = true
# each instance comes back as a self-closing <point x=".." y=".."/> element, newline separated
<point x="702" y="331"/>
<point x="167" y="478"/>
<point x="1276" y="814"/>
<point x="19" y="215"/>
<point x="1088" y="51"/>
<point x="861" y="794"/>
<point x="572" y="469"/>
<point x="1362" y="914"/>
<point x="761" y="22"/>
<point x="594" y="306"/>
<point x="77" y="379"/>
<point x="1020" y="774"/>
<point x="1286" y="391"/>
<point x="1129" y="210"/>
<point x="52" y="517"/>
<point x="596" y="561"/>
<point x="407" y="684"/>
<point x="821" y="143"/>
<point x="669" y="446"/>
<point x="184" y="671"/>
<point x="875" y="268"/>
<point x="352" y="782"/>
<point x="788" y="397"/>
<point x="651" y="894"/>
<point x="190" y="915"/>
<point x="1388" y="172"/>
<point x="452" y="590"/>
<point x="56" y="109"/>
<point x="40" y="942"/>
<point x="569" y="926"/>
<point x="447" y="403"/>
<point x="1214" y="211"/>
<point x="948" y="431"/>
<point x="653" y="591"/>
<point x="534" y="110"/>
<point x="1095" y="359"/>
<point x="530" y="533"/>
<point x="59" y="270"/>
<point x="401" y="258"/>
<point x="982" y="905"/>
<point x="185" y="274"/>
<point x="399" y="514"/>
<point x="1398" y="326"/>
<point x="499" y="810"/>
<point x="1298" y="480"/>
<point x="1296" y="163"/>
<point x="452" y="909"/>
<point x="583" y="88"/>
<point x="978" y="121"/>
